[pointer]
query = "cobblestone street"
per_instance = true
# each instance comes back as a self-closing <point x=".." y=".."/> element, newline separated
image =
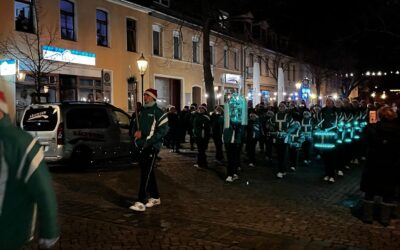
<point x="200" y="211"/>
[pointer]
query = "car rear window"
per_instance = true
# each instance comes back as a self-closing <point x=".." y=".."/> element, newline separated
<point x="40" y="119"/>
<point x="87" y="118"/>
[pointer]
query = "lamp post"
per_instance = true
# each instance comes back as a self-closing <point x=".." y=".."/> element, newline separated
<point x="142" y="66"/>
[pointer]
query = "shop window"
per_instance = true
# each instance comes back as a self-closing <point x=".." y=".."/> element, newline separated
<point x="23" y="10"/>
<point x="67" y="16"/>
<point x="102" y="28"/>
<point x="131" y="34"/>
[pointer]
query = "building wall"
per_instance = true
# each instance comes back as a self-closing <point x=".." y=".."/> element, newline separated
<point x="117" y="59"/>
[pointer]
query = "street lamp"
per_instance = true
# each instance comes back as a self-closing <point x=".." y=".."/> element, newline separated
<point x="142" y="66"/>
<point x="298" y="85"/>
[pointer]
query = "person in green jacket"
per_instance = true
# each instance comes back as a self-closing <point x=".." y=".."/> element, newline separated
<point x="26" y="192"/>
<point x="153" y="126"/>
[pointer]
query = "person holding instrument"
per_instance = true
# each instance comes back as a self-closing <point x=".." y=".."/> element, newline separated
<point x="150" y="129"/>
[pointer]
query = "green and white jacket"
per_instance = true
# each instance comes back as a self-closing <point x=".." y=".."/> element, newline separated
<point x="26" y="192"/>
<point x="153" y="123"/>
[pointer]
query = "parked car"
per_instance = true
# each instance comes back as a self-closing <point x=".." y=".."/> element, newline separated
<point x="79" y="132"/>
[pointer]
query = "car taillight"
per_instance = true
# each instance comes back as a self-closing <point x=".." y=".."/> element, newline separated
<point x="60" y="134"/>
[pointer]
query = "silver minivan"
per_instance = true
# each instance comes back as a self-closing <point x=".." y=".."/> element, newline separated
<point x="79" y="132"/>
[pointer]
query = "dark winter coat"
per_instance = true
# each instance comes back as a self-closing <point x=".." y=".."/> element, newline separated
<point x="381" y="173"/>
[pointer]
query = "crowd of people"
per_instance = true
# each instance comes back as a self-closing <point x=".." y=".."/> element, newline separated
<point x="342" y="133"/>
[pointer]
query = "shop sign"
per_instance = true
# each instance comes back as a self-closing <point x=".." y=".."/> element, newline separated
<point x="231" y="79"/>
<point x="7" y="67"/>
<point x="68" y="55"/>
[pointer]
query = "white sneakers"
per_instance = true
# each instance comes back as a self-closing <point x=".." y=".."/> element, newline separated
<point x="280" y="175"/>
<point x="251" y="165"/>
<point x="331" y="180"/>
<point x="232" y="178"/>
<point x="140" y="207"/>
<point x="326" y="178"/>
<point x="153" y="202"/>
<point x="340" y="173"/>
<point x="293" y="169"/>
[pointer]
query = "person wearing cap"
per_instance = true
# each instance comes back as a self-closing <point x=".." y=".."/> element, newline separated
<point x="201" y="131"/>
<point x="26" y="192"/>
<point x="153" y="126"/>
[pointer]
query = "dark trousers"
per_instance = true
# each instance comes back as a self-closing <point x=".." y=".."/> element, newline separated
<point x="281" y="151"/>
<point x="306" y="147"/>
<point x="191" y="140"/>
<point x="219" y="155"/>
<point x="261" y="142"/>
<point x="202" y="145"/>
<point x="330" y="159"/>
<point x="293" y="153"/>
<point x="233" y="156"/>
<point x="268" y="146"/>
<point x="147" y="177"/>
<point x="251" y="149"/>
<point x="175" y="142"/>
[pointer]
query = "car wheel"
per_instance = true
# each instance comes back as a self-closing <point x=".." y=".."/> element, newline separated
<point x="81" y="158"/>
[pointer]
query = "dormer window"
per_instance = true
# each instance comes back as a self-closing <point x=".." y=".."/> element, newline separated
<point x="162" y="2"/>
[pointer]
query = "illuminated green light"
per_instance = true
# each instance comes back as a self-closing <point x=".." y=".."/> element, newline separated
<point x="347" y="140"/>
<point x="324" y="145"/>
<point x="325" y="133"/>
<point x="339" y="141"/>
<point x="356" y="123"/>
<point x="356" y="137"/>
<point x="348" y="125"/>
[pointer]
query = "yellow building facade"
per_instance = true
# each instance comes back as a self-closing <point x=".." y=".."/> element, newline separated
<point x="98" y="42"/>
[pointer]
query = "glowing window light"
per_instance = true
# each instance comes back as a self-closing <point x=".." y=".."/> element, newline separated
<point x="383" y="96"/>
<point x="373" y="94"/>
<point x="368" y="73"/>
<point x="379" y="73"/>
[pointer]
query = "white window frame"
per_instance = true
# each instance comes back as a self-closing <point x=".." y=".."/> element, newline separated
<point x="195" y="46"/>
<point x="226" y="57"/>
<point x="212" y="53"/>
<point x="175" y="34"/>
<point x="157" y="28"/>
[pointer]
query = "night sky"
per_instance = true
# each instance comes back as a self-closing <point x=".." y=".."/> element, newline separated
<point x="369" y="30"/>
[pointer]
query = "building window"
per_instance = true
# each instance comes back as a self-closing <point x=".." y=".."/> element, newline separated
<point x="195" y="49"/>
<point x="226" y="64"/>
<point x="24" y="16"/>
<point x="294" y="72"/>
<point x="236" y="59"/>
<point x="131" y="34"/>
<point x="267" y="66"/>
<point x="212" y="55"/>
<point x="162" y="2"/>
<point x="177" y="46"/>
<point x="67" y="16"/>
<point x="251" y="60"/>
<point x="102" y="28"/>
<point x="157" y="48"/>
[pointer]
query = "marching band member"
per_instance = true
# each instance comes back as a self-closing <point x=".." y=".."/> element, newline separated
<point x="282" y="121"/>
<point x="307" y="124"/>
<point x="329" y="122"/>
<point x="254" y="133"/>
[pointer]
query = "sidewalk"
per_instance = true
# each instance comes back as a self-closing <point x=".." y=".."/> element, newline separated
<point x="200" y="211"/>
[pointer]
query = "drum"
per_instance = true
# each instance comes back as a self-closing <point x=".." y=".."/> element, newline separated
<point x="325" y="140"/>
